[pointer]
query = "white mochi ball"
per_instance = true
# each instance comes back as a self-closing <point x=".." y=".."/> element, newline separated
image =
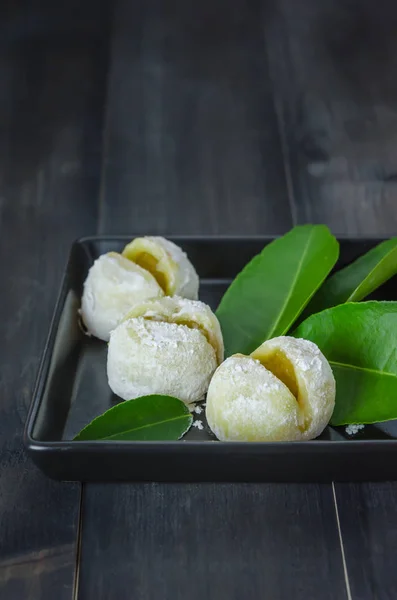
<point x="284" y="391"/>
<point x="156" y="357"/>
<point x="113" y="286"/>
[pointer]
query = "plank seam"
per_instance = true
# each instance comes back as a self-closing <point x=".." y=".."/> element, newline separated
<point x="78" y="546"/>
<point x="286" y="161"/>
<point x="277" y="105"/>
<point x="105" y="137"/>
<point x="342" y="548"/>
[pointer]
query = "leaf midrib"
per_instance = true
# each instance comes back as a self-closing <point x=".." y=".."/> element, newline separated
<point x="365" y="369"/>
<point x="352" y="297"/>
<point x="147" y="426"/>
<point x="293" y="285"/>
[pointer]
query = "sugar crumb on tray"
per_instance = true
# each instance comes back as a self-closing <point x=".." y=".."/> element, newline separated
<point x="354" y="428"/>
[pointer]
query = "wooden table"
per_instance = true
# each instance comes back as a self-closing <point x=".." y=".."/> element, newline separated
<point x="171" y="117"/>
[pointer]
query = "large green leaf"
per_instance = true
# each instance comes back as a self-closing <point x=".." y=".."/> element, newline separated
<point x="356" y="281"/>
<point x="147" y="418"/>
<point x="271" y="291"/>
<point x="360" y="342"/>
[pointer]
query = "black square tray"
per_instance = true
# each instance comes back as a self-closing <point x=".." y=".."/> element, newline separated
<point x="72" y="389"/>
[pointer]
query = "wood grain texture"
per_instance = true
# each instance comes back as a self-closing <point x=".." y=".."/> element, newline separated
<point x="192" y="144"/>
<point x="192" y="147"/>
<point x="209" y="541"/>
<point x="51" y="106"/>
<point x="331" y="65"/>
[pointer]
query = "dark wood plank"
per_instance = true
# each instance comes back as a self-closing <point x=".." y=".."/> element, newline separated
<point x="192" y="143"/>
<point x="367" y="514"/>
<point x="52" y="69"/>
<point x="333" y="67"/>
<point x="210" y="541"/>
<point x="192" y="147"/>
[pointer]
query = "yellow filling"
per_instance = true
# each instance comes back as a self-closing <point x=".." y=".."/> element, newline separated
<point x="277" y="363"/>
<point x="282" y="368"/>
<point x="156" y="260"/>
<point x="150" y="263"/>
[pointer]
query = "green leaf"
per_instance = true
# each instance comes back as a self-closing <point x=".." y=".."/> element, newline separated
<point x="356" y="281"/>
<point x="271" y="291"/>
<point x="359" y="341"/>
<point x="147" y="418"/>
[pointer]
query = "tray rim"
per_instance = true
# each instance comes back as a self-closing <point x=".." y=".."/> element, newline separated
<point x="34" y="445"/>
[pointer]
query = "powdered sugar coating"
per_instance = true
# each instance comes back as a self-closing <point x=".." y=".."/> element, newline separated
<point x="247" y="403"/>
<point x="314" y="378"/>
<point x="113" y="285"/>
<point x="155" y="357"/>
<point x="178" y="310"/>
